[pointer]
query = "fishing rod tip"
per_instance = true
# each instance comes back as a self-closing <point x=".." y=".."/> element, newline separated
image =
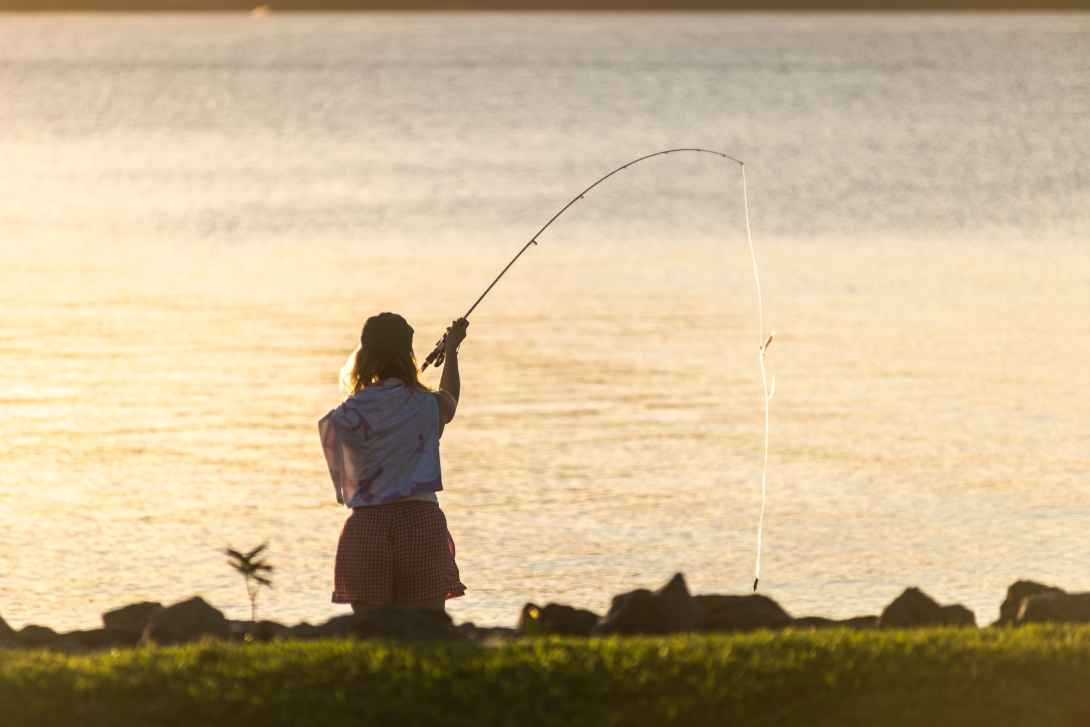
<point x="755" y="584"/>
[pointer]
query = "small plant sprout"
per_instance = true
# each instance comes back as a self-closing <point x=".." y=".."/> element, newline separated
<point x="252" y="569"/>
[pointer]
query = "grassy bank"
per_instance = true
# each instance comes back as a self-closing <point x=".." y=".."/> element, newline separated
<point x="1032" y="676"/>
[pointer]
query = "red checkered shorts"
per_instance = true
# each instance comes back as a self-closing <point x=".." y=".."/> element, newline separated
<point x="396" y="553"/>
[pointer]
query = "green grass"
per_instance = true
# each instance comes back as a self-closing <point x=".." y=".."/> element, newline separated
<point x="1030" y="676"/>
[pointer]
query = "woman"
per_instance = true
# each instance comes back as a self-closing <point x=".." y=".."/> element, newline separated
<point x="382" y="448"/>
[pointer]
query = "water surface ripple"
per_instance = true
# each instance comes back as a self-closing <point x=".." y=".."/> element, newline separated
<point x="198" y="212"/>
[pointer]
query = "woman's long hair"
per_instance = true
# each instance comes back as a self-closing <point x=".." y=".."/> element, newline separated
<point x="361" y="370"/>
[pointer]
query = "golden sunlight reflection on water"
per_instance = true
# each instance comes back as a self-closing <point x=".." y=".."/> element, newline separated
<point x="204" y="214"/>
<point x="606" y="436"/>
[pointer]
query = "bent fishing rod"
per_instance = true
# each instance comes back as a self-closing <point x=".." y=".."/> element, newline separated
<point x="437" y="356"/>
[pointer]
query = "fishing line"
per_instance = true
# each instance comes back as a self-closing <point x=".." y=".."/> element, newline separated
<point x="437" y="356"/>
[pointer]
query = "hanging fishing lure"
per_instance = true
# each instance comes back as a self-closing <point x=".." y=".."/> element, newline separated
<point x="437" y="356"/>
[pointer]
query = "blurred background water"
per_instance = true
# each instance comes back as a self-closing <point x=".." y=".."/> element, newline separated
<point x="198" y="212"/>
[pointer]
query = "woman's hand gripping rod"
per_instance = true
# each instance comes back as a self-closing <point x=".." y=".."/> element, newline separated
<point x="436" y="357"/>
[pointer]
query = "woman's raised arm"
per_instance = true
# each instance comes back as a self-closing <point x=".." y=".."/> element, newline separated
<point x="450" y="383"/>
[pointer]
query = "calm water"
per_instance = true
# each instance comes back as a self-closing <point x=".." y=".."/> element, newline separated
<point x="198" y="212"/>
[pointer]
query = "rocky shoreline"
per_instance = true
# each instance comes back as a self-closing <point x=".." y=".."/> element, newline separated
<point x="669" y="610"/>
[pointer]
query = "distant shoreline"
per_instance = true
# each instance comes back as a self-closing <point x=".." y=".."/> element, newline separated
<point x="539" y="5"/>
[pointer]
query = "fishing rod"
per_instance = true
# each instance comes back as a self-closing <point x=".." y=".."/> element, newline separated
<point x="437" y="356"/>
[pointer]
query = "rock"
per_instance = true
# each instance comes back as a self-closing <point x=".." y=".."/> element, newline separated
<point x="7" y="633"/>
<point x="239" y="629"/>
<point x="266" y="631"/>
<point x="36" y="637"/>
<point x="1016" y="594"/>
<point x="556" y="618"/>
<point x="861" y="623"/>
<point x="42" y="637"/>
<point x="669" y="610"/>
<point x="915" y="608"/>
<point x="472" y="632"/>
<point x="391" y="622"/>
<point x="133" y="617"/>
<point x="184" y="622"/>
<point x="955" y="614"/>
<point x="95" y="639"/>
<point x="1068" y="608"/>
<point x="742" y="613"/>
<point x="300" y="631"/>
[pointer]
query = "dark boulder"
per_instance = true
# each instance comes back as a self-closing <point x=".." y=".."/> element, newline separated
<point x="133" y="617"/>
<point x="390" y="622"/>
<point x="184" y="622"/>
<point x="239" y="629"/>
<point x="42" y="637"/>
<point x="266" y="631"/>
<point x="1068" y="608"/>
<point x="864" y="622"/>
<point x="472" y="632"/>
<point x="861" y="623"/>
<point x="742" y="613"/>
<point x="1018" y="592"/>
<point x="37" y="637"/>
<point x="955" y="614"/>
<point x="96" y="639"/>
<point x="669" y="610"/>
<point x="301" y="632"/>
<point x="556" y="618"/>
<point x="915" y="608"/>
<point x="7" y="633"/>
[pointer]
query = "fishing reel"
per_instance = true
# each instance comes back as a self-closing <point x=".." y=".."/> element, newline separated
<point x="438" y="356"/>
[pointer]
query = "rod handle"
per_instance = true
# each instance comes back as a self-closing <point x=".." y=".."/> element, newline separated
<point x="437" y="356"/>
